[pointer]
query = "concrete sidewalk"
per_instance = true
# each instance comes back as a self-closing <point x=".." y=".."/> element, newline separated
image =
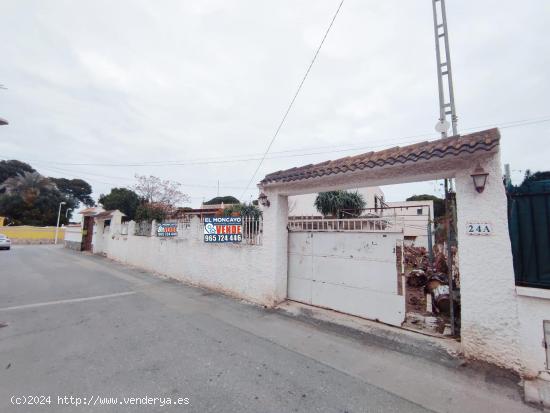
<point x="446" y="350"/>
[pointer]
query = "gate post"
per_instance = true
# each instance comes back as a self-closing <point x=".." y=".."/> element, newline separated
<point x="275" y="244"/>
<point x="98" y="239"/>
<point x="489" y="316"/>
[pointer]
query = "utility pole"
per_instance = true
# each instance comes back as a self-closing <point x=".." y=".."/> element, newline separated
<point x="58" y="218"/>
<point x="450" y="221"/>
<point x="507" y="175"/>
<point x="430" y="237"/>
<point x="2" y="120"/>
<point x="444" y="71"/>
<point x="446" y="108"/>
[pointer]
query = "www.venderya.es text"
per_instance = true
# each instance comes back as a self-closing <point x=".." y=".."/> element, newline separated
<point x="97" y="400"/>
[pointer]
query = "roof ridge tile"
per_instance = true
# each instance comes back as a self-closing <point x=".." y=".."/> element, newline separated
<point x="446" y="147"/>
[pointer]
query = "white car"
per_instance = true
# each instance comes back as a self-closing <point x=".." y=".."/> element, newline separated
<point x="5" y="243"/>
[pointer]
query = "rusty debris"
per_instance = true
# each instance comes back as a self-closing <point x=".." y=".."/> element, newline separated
<point x="424" y="278"/>
<point x="417" y="278"/>
<point x="434" y="281"/>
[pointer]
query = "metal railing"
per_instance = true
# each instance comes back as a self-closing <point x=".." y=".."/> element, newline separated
<point x="320" y="224"/>
<point x="143" y="229"/>
<point x="184" y="224"/>
<point x="253" y="229"/>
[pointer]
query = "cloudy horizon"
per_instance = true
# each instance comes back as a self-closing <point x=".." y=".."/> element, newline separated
<point x="193" y="91"/>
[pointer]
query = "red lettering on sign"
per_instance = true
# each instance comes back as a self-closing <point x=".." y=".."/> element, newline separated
<point x="227" y="229"/>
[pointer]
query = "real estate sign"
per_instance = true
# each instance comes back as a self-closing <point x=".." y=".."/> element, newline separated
<point x="167" y="230"/>
<point x="223" y="229"/>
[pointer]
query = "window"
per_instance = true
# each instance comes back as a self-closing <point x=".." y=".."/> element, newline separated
<point x="419" y="211"/>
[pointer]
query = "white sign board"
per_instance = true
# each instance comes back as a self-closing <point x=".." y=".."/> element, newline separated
<point x="479" y="228"/>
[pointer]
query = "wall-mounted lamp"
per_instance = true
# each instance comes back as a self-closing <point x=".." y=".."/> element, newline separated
<point x="263" y="200"/>
<point x="480" y="178"/>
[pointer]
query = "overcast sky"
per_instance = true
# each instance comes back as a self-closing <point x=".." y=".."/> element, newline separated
<point x="206" y="82"/>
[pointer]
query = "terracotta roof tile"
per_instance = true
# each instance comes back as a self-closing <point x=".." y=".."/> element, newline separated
<point x="88" y="210"/>
<point x="105" y="214"/>
<point x="441" y="148"/>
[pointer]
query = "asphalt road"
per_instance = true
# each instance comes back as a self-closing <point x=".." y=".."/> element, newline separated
<point x="87" y="327"/>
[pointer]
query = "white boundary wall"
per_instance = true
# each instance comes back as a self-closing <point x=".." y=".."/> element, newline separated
<point x="237" y="270"/>
<point x="73" y="233"/>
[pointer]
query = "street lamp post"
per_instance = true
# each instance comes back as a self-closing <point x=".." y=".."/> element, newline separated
<point x="58" y="217"/>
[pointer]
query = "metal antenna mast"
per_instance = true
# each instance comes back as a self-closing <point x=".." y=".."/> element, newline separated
<point x="446" y="107"/>
<point x="444" y="72"/>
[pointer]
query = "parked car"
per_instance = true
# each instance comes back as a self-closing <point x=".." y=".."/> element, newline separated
<point x="5" y="243"/>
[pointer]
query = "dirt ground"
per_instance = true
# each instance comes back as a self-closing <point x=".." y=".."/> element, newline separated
<point x="417" y="315"/>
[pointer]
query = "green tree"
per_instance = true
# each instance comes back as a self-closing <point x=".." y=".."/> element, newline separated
<point x="535" y="177"/>
<point x="42" y="211"/>
<point x="123" y="199"/>
<point x="12" y="168"/>
<point x="244" y="210"/>
<point x="28" y="186"/>
<point x="77" y="189"/>
<point x="228" y="199"/>
<point x="28" y="198"/>
<point x="439" y="203"/>
<point x="340" y="204"/>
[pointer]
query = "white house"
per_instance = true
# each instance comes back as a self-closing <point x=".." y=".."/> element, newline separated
<point x="414" y="215"/>
<point x="303" y="205"/>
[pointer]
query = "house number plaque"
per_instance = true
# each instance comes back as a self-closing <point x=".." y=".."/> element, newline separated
<point x="479" y="228"/>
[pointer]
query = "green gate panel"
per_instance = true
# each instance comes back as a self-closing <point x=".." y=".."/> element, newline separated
<point x="529" y="225"/>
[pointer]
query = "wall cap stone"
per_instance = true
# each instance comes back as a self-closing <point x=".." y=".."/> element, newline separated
<point x="533" y="292"/>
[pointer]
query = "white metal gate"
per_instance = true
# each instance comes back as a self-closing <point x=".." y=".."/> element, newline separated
<point x="349" y="271"/>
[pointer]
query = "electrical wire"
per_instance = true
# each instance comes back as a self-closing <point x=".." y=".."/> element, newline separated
<point x="294" y="98"/>
<point x="255" y="157"/>
<point x="48" y="165"/>
<point x="80" y="173"/>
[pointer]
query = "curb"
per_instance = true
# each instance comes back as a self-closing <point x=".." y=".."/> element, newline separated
<point x="438" y="350"/>
<point x="443" y="351"/>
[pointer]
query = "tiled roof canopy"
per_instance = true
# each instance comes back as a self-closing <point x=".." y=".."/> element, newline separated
<point x="89" y="211"/>
<point x="105" y="214"/>
<point x="483" y="141"/>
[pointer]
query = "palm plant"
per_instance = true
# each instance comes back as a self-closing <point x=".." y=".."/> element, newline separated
<point x="340" y="204"/>
<point x="243" y="210"/>
<point x="28" y="186"/>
